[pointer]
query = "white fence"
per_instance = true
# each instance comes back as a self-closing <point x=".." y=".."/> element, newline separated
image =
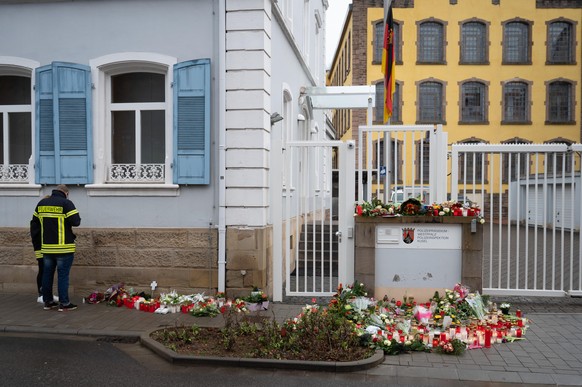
<point x="532" y="203"/>
<point x="398" y="161"/>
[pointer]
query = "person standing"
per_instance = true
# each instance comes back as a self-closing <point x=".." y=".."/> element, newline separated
<point x="36" y="244"/>
<point x="53" y="219"/>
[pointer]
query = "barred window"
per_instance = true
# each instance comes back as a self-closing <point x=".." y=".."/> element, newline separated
<point x="474" y="43"/>
<point x="423" y="160"/>
<point x="560" y="102"/>
<point x="516" y="43"/>
<point x="379" y="116"/>
<point x="397" y="42"/>
<point x="472" y="165"/>
<point x="378" y="41"/>
<point x="473" y="102"/>
<point x="430" y="102"/>
<point x="431" y="43"/>
<point x="560" y="43"/>
<point x="379" y="111"/>
<point x="515" y="102"/>
<point x="515" y="164"/>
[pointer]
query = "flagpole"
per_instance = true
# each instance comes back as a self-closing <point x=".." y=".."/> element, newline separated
<point x="387" y="4"/>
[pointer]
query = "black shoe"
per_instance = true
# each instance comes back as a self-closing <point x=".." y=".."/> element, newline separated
<point x="70" y="306"/>
<point x="50" y="305"/>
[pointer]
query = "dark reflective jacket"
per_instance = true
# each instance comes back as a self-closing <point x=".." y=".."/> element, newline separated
<point x="52" y="224"/>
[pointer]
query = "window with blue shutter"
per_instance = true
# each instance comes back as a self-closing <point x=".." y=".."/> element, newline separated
<point x="63" y="125"/>
<point x="192" y="122"/>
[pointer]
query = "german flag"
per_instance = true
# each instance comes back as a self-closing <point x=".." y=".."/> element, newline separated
<point x="388" y="64"/>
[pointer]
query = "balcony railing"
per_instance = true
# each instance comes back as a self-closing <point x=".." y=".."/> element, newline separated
<point x="136" y="173"/>
<point x="13" y="173"/>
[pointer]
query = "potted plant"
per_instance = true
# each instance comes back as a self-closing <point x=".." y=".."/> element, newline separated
<point x="257" y="300"/>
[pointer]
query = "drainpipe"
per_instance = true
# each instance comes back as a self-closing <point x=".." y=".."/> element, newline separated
<point x="221" y="76"/>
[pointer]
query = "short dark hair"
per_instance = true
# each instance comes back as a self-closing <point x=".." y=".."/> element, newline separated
<point x="63" y="188"/>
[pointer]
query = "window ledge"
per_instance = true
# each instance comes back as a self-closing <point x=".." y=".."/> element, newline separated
<point x="561" y="63"/>
<point x="133" y="189"/>
<point x="473" y="123"/>
<point x="516" y="123"/>
<point x="20" y="189"/>
<point x="560" y="122"/>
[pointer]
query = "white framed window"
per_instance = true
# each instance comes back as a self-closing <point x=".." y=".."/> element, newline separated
<point x="136" y="115"/>
<point x="17" y="122"/>
<point x="133" y="106"/>
<point x="15" y="128"/>
<point x="153" y="120"/>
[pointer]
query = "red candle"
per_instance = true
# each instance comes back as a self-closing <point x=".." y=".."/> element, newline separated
<point x="518" y="332"/>
<point x="518" y="313"/>
<point x="520" y="322"/>
<point x="402" y="339"/>
<point x="443" y="336"/>
<point x="488" y="338"/>
<point x="435" y="341"/>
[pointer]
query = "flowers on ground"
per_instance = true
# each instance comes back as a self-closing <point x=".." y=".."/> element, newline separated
<point x="448" y="324"/>
<point x="412" y="207"/>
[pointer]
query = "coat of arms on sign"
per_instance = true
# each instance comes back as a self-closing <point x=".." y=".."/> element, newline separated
<point x="408" y="235"/>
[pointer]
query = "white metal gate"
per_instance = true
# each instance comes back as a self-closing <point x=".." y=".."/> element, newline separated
<point x="318" y="222"/>
<point x="531" y="200"/>
<point x="401" y="161"/>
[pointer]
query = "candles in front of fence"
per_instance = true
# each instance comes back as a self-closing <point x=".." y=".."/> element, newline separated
<point x="488" y="337"/>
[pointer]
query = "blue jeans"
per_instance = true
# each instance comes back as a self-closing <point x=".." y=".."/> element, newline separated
<point x="62" y="263"/>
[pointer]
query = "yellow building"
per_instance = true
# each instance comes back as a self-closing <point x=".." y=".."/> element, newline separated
<point x="493" y="71"/>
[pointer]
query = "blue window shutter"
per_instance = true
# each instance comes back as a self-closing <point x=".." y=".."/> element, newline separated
<point x="64" y="137"/>
<point x="72" y="107"/>
<point x="192" y="122"/>
<point x="45" y="144"/>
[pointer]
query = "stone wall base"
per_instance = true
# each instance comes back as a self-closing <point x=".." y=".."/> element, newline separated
<point x="249" y="252"/>
<point x="184" y="260"/>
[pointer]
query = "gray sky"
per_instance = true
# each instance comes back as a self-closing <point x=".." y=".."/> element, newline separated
<point x="334" y="17"/>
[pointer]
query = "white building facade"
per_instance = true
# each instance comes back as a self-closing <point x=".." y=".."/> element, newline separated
<point x="163" y="118"/>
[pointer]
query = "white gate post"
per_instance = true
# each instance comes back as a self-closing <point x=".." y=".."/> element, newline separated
<point x="347" y="195"/>
<point x="439" y="184"/>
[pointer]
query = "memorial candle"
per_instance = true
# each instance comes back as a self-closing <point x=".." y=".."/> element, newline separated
<point x="488" y="338"/>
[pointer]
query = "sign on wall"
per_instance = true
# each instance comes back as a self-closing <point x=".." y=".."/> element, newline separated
<point x="419" y="236"/>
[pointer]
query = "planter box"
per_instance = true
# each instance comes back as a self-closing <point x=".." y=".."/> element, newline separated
<point x="257" y="306"/>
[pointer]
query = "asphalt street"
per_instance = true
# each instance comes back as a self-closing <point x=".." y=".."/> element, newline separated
<point x="48" y="360"/>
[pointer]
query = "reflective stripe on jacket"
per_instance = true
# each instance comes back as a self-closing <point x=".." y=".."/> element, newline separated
<point x="53" y="219"/>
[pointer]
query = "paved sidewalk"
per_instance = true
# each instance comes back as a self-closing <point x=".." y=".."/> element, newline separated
<point x="550" y="355"/>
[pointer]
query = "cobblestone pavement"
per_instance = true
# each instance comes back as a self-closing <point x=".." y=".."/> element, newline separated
<point x="551" y="353"/>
